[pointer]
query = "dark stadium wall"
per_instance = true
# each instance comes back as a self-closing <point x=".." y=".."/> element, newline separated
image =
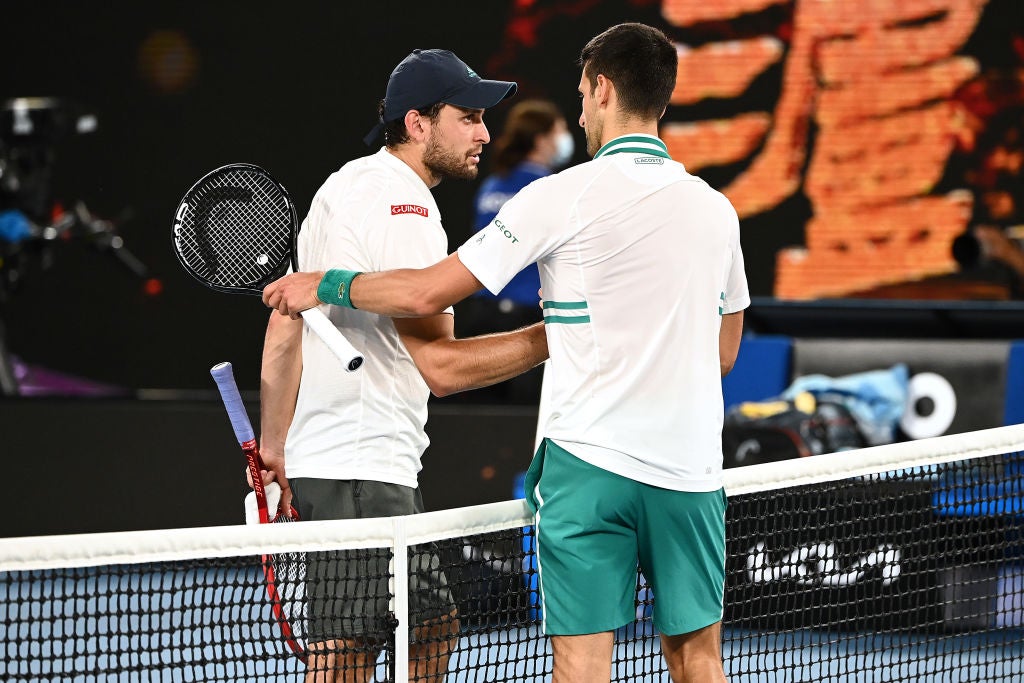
<point x="180" y="88"/>
<point x="90" y="466"/>
<point x="96" y="465"/>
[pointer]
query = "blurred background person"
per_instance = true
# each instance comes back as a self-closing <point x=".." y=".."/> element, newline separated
<point x="991" y="246"/>
<point x="534" y="143"/>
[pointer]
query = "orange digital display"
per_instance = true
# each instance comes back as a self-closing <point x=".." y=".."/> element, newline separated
<point x="875" y="81"/>
<point x="864" y="114"/>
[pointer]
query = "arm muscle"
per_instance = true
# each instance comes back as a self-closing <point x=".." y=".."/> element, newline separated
<point x="450" y="365"/>
<point x="729" y="340"/>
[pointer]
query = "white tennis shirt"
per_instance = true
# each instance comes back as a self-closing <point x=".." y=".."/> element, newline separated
<point x="373" y="214"/>
<point x="638" y="262"/>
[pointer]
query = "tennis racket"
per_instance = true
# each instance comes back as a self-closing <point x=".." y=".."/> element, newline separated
<point x="235" y="232"/>
<point x="285" y="572"/>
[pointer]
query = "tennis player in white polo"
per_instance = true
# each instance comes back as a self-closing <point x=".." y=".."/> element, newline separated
<point x="643" y="294"/>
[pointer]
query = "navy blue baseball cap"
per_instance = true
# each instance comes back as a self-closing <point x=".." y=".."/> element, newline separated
<point x="427" y="77"/>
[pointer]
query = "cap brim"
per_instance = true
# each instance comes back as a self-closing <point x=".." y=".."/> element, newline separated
<point x="483" y="94"/>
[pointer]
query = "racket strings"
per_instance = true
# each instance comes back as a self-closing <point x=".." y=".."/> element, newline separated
<point x="237" y="232"/>
<point x="210" y="203"/>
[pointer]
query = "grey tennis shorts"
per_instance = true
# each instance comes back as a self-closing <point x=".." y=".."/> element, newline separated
<point x="347" y="590"/>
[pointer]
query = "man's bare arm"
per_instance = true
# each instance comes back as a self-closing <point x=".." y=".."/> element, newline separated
<point x="279" y="388"/>
<point x="449" y="365"/>
<point x="399" y="293"/>
<point x="729" y="340"/>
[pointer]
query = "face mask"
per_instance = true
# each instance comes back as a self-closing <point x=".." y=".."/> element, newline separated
<point x="564" y="147"/>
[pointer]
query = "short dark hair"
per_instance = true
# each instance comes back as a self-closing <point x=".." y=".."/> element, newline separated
<point x="394" y="131"/>
<point x="526" y="121"/>
<point x="640" y="61"/>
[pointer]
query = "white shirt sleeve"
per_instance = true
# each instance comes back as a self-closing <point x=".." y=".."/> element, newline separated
<point x="737" y="296"/>
<point x="529" y="226"/>
<point x="406" y="241"/>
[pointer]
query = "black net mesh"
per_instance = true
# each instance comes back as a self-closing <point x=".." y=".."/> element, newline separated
<point x="915" y="574"/>
<point x="910" y="575"/>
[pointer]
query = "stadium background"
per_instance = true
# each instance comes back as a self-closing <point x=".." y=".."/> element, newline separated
<point x="843" y="132"/>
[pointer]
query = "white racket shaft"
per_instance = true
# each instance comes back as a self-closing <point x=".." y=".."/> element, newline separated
<point x="335" y="340"/>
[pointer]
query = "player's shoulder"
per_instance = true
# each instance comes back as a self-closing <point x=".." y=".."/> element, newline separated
<point x="362" y="174"/>
<point x="698" y="193"/>
<point x="364" y="183"/>
<point x="713" y="195"/>
<point x="694" y="183"/>
<point x="565" y="180"/>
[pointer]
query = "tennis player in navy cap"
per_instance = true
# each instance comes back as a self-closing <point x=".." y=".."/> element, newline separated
<point x="348" y="444"/>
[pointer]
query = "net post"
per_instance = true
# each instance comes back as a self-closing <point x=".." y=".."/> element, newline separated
<point x="400" y="605"/>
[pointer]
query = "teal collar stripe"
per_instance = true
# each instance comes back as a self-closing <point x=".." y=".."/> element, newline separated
<point x="635" y="144"/>
<point x="569" y="312"/>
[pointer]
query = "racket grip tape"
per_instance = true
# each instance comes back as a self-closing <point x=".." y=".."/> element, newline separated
<point x="225" y="379"/>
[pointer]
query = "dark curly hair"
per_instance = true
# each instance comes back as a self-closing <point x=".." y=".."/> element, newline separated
<point x="394" y="131"/>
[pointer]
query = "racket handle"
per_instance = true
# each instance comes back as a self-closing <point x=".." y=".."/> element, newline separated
<point x="225" y="379"/>
<point x="335" y="340"/>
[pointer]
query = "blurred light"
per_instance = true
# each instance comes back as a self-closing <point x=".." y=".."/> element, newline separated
<point x="153" y="287"/>
<point x="168" y="62"/>
<point x="85" y="124"/>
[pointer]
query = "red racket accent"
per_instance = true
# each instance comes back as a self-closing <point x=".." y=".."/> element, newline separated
<point x="246" y="439"/>
<point x="256" y="466"/>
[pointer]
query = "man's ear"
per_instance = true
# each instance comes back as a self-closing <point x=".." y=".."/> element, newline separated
<point x="602" y="90"/>
<point x="417" y="125"/>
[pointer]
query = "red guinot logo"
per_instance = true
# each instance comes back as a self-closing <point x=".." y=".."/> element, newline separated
<point x="397" y="209"/>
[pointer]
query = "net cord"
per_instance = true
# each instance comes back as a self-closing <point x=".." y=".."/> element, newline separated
<point x="134" y="547"/>
<point x="164" y="545"/>
<point x="874" y="460"/>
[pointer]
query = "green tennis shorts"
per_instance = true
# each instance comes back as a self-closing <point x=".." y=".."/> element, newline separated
<point x="348" y="590"/>
<point x="595" y="529"/>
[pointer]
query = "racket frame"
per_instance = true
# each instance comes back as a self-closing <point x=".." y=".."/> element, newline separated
<point x="224" y="377"/>
<point x="315" y="320"/>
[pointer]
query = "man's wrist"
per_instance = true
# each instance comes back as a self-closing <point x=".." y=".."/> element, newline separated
<point x="336" y="287"/>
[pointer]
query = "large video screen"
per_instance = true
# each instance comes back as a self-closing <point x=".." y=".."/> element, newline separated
<point x="857" y="140"/>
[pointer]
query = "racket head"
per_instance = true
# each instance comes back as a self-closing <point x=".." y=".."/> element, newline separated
<point x="234" y="230"/>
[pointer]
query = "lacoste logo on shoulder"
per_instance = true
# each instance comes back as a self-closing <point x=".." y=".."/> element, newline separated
<point x="397" y="209"/>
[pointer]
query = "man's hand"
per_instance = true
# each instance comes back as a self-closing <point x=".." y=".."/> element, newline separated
<point x="274" y="472"/>
<point x="293" y="294"/>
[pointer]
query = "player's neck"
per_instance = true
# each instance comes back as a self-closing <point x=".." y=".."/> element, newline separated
<point x="633" y="126"/>
<point x="413" y="158"/>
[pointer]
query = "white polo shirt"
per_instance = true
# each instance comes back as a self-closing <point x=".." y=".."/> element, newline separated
<point x="638" y="261"/>
<point x="373" y="214"/>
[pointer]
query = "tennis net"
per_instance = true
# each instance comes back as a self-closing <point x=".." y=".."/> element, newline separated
<point x="896" y="563"/>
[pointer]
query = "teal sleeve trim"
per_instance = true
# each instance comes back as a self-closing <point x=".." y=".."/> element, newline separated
<point x="566" y="305"/>
<point x="566" y="320"/>
<point x="336" y="287"/>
